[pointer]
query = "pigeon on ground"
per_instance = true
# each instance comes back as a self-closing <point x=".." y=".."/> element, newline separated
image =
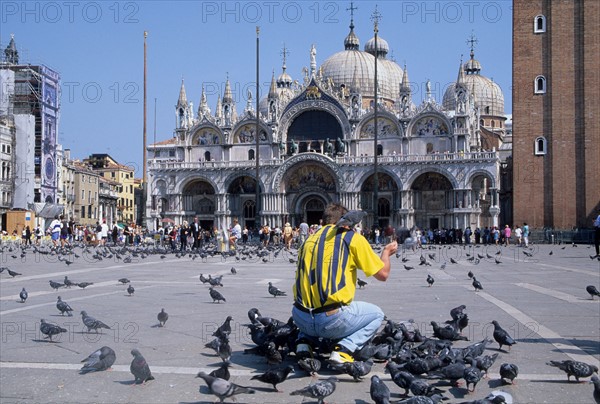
<point x="275" y="291"/>
<point x="508" y="371"/>
<point x="380" y="392"/>
<point x="356" y="369"/>
<point x="91" y="323"/>
<point x="84" y="285"/>
<point x="591" y="289"/>
<point x="452" y="260"/>
<point x="430" y="280"/>
<point x="216" y="296"/>
<point x="361" y="283"/>
<point x="502" y="337"/>
<point x="98" y="361"/>
<point x="23" y="295"/>
<point x="486" y="362"/>
<point x="13" y="273"/>
<point x="574" y="368"/>
<point x="233" y="271"/>
<point x="470" y="274"/>
<point x="452" y="372"/>
<point x="123" y="281"/>
<point x="130" y="289"/>
<point x="203" y="279"/>
<point x="434" y="399"/>
<point x="56" y="285"/>
<point x="310" y="365"/>
<point x="224" y="329"/>
<point x="162" y="317"/>
<point x="222" y="372"/>
<point x="224" y="350"/>
<point x="68" y="283"/>
<point x="457" y="312"/>
<point x="318" y="390"/>
<point x="139" y="368"/>
<point x="351" y="218"/>
<point x="273" y="355"/>
<point x="596" y="382"/>
<point x="408" y="267"/>
<point x="477" y="285"/>
<point x="447" y="333"/>
<point x="63" y="307"/>
<point x="472" y="375"/>
<point x="49" y="329"/>
<point x="223" y="388"/>
<point x="274" y="376"/>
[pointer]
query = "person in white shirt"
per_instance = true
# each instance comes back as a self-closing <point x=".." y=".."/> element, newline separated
<point x="236" y="233"/>
<point x="103" y="232"/>
<point x="54" y="230"/>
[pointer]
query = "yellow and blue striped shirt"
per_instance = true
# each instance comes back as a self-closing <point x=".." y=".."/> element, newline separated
<point x="327" y="267"/>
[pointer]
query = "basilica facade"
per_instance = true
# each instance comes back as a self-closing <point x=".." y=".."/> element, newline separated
<point x="434" y="165"/>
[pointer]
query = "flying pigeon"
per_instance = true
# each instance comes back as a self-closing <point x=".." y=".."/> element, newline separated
<point x="223" y="388"/>
<point x="139" y="368"/>
<point x="99" y="360"/>
<point x="591" y="289"/>
<point x="351" y="218"/>
<point x="274" y="376"/>
<point x="502" y="337"/>
<point x="509" y="371"/>
<point x="63" y="307"/>
<point x="23" y="295"/>
<point x="216" y="296"/>
<point x="574" y="368"/>
<point x="275" y="291"/>
<point x="380" y="393"/>
<point x="318" y="390"/>
<point x="49" y="329"/>
<point x="163" y="316"/>
<point x="130" y="289"/>
<point x="91" y="323"/>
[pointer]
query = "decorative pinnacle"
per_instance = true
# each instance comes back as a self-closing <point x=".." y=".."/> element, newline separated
<point x="257" y="30"/>
<point x="284" y="53"/>
<point x="351" y="9"/>
<point x="472" y="41"/>
<point x="375" y="17"/>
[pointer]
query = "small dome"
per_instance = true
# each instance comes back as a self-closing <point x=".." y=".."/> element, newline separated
<point x="472" y="66"/>
<point x="487" y="95"/>
<point x="284" y="80"/>
<point x="351" y="42"/>
<point x="382" y="47"/>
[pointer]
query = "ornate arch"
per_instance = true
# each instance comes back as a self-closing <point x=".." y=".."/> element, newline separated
<point x="448" y="175"/>
<point x="429" y="123"/>
<point x="388" y="126"/>
<point x="308" y="157"/>
<point x="243" y="133"/>
<point x="234" y="176"/>
<point x="183" y="183"/>
<point x="365" y="176"/>
<point x="484" y="173"/>
<point x="205" y="134"/>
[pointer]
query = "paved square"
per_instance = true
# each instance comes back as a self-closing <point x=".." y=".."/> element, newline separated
<point x="540" y="300"/>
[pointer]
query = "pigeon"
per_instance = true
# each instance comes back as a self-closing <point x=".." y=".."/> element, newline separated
<point x="380" y="392"/>
<point x="68" y="283"/>
<point x="12" y="273"/>
<point x="508" y="371"/>
<point x="361" y="283"/>
<point x="434" y="399"/>
<point x="274" y="291"/>
<point x="233" y="271"/>
<point x="224" y="350"/>
<point x="203" y="279"/>
<point x="591" y="289"/>
<point x="408" y="267"/>
<point x="502" y="337"/>
<point x="447" y="333"/>
<point x="63" y="307"/>
<point x="23" y="295"/>
<point x="224" y="329"/>
<point x="49" y="329"/>
<point x="477" y="285"/>
<point x="351" y="218"/>
<point x="222" y="372"/>
<point x="162" y="317"/>
<point x="91" y="323"/>
<point x="124" y="281"/>
<point x="596" y="382"/>
<point x="139" y="368"/>
<point x="457" y="312"/>
<point x="443" y="266"/>
<point x="273" y="355"/>
<point x="430" y="280"/>
<point x="84" y="285"/>
<point x="98" y="361"/>
<point x="130" y="289"/>
<point x="216" y="296"/>
<point x="223" y="388"/>
<point x="486" y="362"/>
<point x="470" y="274"/>
<point x="56" y="285"/>
<point x="356" y="369"/>
<point x="274" y="376"/>
<point x="318" y="390"/>
<point x="574" y="368"/>
<point x="472" y="375"/>
<point x="452" y="372"/>
<point x="310" y="365"/>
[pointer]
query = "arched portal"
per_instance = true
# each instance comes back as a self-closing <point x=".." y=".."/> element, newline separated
<point x="311" y="209"/>
<point x="388" y="198"/>
<point x="199" y="200"/>
<point x="432" y="201"/>
<point x="242" y="200"/>
<point x="312" y="128"/>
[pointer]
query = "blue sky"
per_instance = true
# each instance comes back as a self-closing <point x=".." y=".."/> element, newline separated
<point x="97" y="47"/>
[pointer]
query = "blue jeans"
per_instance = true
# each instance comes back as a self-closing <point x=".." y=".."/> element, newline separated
<point x="353" y="325"/>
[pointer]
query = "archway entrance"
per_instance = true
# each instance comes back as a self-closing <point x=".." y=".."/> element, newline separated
<point x="199" y="201"/>
<point x="313" y="210"/>
<point x="432" y="201"/>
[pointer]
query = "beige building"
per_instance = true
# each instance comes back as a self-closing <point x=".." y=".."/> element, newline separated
<point x="66" y="182"/>
<point x="110" y="169"/>
<point x="86" y="195"/>
<point x="108" y="198"/>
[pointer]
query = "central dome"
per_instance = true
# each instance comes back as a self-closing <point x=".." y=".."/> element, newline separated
<point x="354" y="67"/>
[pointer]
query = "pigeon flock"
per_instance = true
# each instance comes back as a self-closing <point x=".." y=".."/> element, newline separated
<point x="430" y="361"/>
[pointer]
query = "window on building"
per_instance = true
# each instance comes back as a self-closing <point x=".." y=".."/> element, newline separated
<point x="82" y="194"/>
<point x="487" y="110"/>
<point x="172" y="153"/>
<point x="540" y="147"/>
<point x="251" y="154"/>
<point x="379" y="150"/>
<point x="207" y="156"/>
<point x="540" y="85"/>
<point x="112" y="174"/>
<point x="539" y="24"/>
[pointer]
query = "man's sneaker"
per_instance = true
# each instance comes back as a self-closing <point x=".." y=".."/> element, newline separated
<point x="303" y="350"/>
<point x="339" y="356"/>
